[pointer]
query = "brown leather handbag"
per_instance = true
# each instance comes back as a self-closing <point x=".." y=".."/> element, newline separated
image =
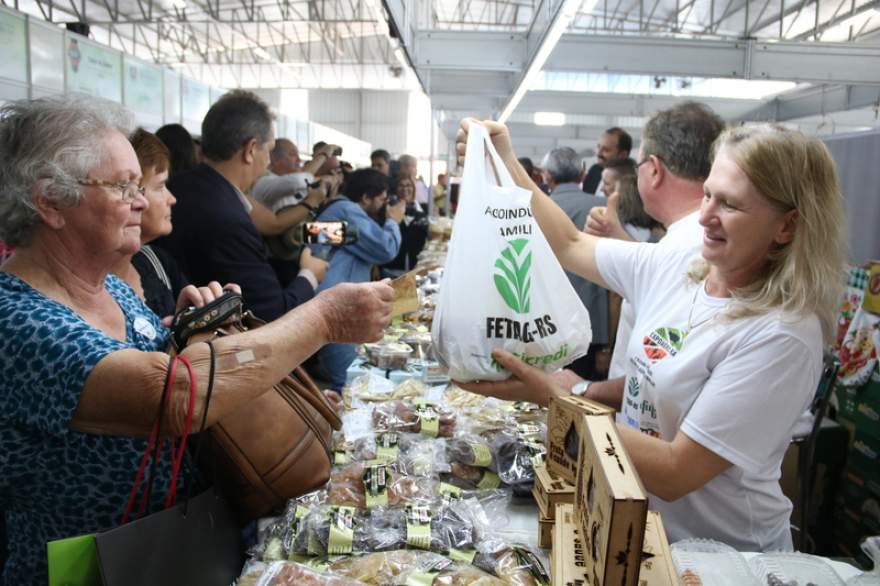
<point x="275" y="447"/>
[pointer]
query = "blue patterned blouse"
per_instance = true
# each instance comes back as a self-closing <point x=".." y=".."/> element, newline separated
<point x="54" y="482"/>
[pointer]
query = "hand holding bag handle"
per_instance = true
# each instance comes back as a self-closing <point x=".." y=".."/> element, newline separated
<point x="275" y="447"/>
<point x="196" y="543"/>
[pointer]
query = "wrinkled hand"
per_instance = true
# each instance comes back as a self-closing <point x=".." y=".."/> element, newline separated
<point x="527" y="383"/>
<point x="316" y="265"/>
<point x="397" y="211"/>
<point x="356" y="313"/>
<point x="497" y="132"/>
<point x="200" y="296"/>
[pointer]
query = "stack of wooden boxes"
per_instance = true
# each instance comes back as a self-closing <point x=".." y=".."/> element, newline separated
<point x="606" y="534"/>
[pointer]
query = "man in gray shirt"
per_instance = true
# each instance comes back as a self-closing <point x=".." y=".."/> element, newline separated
<point x="564" y="172"/>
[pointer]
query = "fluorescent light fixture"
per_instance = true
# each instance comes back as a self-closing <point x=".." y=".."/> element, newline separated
<point x="567" y="12"/>
<point x="549" y="118"/>
<point x="262" y="53"/>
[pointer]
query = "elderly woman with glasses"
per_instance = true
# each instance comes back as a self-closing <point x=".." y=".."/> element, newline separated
<point x="82" y="361"/>
<point x="726" y="350"/>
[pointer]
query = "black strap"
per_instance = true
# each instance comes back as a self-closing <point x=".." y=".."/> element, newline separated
<point x="208" y="393"/>
<point x="324" y="206"/>
<point x="157" y="453"/>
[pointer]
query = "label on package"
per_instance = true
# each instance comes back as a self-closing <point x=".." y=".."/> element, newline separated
<point x="376" y="479"/>
<point x="537" y="453"/>
<point x="426" y="577"/>
<point x="463" y="555"/>
<point x="430" y="421"/>
<point x="482" y="454"/>
<point x="449" y="491"/>
<point x="529" y="431"/>
<point x="387" y="446"/>
<point x="418" y="527"/>
<point x="489" y="480"/>
<point x="341" y="530"/>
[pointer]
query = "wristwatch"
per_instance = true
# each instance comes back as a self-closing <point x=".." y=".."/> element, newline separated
<point x="579" y="389"/>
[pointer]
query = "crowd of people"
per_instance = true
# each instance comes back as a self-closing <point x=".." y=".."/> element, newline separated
<point x="113" y="230"/>
<point x="724" y="246"/>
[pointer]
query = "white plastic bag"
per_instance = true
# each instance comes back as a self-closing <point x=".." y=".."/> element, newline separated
<point x="503" y="286"/>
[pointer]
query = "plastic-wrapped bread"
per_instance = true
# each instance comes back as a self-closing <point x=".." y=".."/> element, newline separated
<point x="422" y="417"/>
<point x="290" y="574"/>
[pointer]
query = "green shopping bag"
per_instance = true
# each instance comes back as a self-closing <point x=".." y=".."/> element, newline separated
<point x="74" y="562"/>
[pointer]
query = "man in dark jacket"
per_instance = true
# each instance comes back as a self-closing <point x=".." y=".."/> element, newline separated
<point x="214" y="238"/>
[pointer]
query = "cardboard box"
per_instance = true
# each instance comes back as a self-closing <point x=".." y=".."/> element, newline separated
<point x="570" y="562"/>
<point x="564" y="433"/>
<point x="550" y="491"/>
<point x="611" y="505"/>
<point x="545" y="532"/>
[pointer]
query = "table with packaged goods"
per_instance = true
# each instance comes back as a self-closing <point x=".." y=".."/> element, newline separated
<point x="434" y="486"/>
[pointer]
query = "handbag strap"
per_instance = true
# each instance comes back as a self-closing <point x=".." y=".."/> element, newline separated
<point x="153" y="451"/>
<point x="208" y="394"/>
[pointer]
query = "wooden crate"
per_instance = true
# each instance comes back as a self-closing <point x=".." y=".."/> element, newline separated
<point x="611" y="505"/>
<point x="569" y="561"/>
<point x="657" y="567"/>
<point x="550" y="490"/>
<point x="545" y="532"/>
<point x="564" y="433"/>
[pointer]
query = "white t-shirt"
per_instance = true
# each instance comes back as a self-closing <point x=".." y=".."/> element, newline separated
<point x="280" y="191"/>
<point x="735" y="387"/>
<point x="685" y="234"/>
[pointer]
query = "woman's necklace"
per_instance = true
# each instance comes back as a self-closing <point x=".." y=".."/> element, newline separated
<point x="690" y="325"/>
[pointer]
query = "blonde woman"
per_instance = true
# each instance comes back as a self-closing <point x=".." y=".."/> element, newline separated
<point x="727" y="350"/>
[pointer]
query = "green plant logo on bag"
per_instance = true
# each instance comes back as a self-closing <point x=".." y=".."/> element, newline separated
<point x="512" y="277"/>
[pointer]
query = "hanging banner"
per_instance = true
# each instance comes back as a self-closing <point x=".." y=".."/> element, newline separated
<point x="13" y="39"/>
<point x="93" y="69"/>
<point x="143" y="87"/>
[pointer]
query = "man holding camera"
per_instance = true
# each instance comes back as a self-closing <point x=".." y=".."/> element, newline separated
<point x="373" y="223"/>
<point x="288" y="182"/>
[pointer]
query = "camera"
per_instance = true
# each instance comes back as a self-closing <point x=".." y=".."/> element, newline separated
<point x="331" y="233"/>
<point x="393" y="199"/>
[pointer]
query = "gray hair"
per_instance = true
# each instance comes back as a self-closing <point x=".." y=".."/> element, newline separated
<point x="682" y="137"/>
<point x="563" y="164"/>
<point x="236" y="118"/>
<point x="51" y="141"/>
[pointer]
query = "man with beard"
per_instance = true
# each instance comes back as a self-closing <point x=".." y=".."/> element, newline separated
<point x="614" y="143"/>
<point x="364" y="206"/>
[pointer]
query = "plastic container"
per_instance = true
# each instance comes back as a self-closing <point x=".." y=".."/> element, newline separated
<point x="421" y="344"/>
<point x="713" y="562"/>
<point x="389" y="356"/>
<point x="793" y="569"/>
<point x="871" y="547"/>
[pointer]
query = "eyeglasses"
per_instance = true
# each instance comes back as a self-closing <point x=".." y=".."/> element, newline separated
<point x="127" y="190"/>
<point x="648" y="160"/>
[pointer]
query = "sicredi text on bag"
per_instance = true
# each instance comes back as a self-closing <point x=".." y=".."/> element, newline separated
<point x="503" y="286"/>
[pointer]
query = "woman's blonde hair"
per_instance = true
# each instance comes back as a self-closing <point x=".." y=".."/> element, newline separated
<point x="794" y="172"/>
